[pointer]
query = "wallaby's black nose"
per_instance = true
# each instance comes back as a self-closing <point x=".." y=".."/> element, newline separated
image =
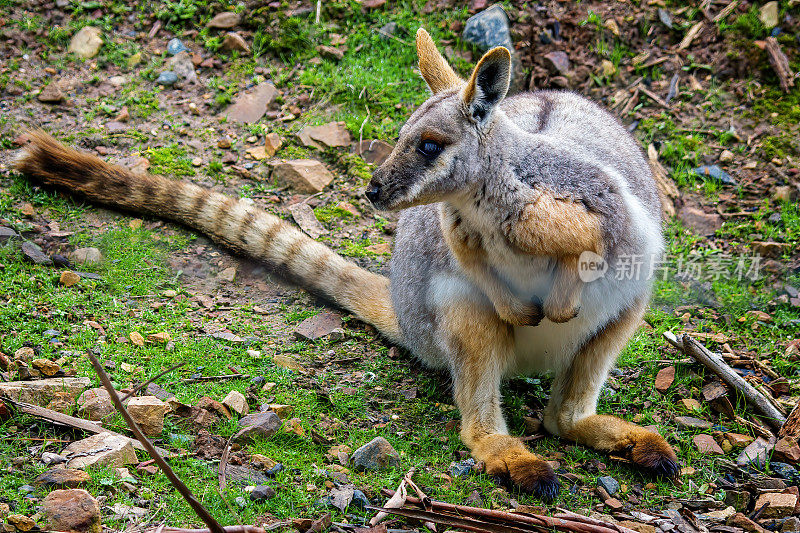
<point x="373" y="192"/>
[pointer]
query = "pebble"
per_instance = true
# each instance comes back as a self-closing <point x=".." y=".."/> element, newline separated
<point x="167" y="79"/>
<point x="262" y="493"/>
<point x="377" y="454"/>
<point x="716" y="173"/>
<point x="175" y="46"/>
<point x="461" y="469"/>
<point x="609" y="484"/>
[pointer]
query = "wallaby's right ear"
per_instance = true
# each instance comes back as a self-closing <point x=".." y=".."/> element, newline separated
<point x="488" y="84"/>
<point x="436" y="72"/>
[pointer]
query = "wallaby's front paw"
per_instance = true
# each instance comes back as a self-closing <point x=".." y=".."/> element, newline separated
<point x="555" y="312"/>
<point x="520" y="313"/>
<point x="651" y="452"/>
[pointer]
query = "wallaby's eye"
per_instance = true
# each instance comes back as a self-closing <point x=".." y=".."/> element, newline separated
<point x="429" y="149"/>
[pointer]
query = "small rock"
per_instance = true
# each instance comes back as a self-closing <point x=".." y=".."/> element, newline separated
<point x="332" y="134"/>
<point x="726" y="156"/>
<point x="51" y="94"/>
<point x="779" y="505"/>
<point x="251" y="106"/>
<point x="609" y="484"/>
<point x="381" y="248"/>
<point x="69" y="278"/>
<point x="722" y="514"/>
<point x="557" y="62"/>
<point x="783" y="193"/>
<point x="756" y="453"/>
<point x="263" y="425"/>
<point x="690" y="404"/>
<point x="790" y="524"/>
<point x="227" y="274"/>
<point x="148" y="413"/>
<point x="665" y="17"/>
<point x="607" y="68"/>
<point x="692" y="422"/>
<point x="136" y="338"/>
<point x="262" y="493"/>
<point x="42" y="391"/>
<point x="46" y="367"/>
<point x="103" y="449"/>
<point x="35" y="254"/>
<point x="175" y="46"/>
<point x="62" y="477"/>
<point x="235" y="42"/>
<point x="374" y="152"/>
<point x="235" y="401"/>
<point x="665" y="378"/>
<point x="272" y="143"/>
<point x="739" y="499"/>
<point x="20" y="522"/>
<point x="303" y="175"/>
<point x="72" y="510"/>
<point x="614" y="504"/>
<point x="377" y="454"/>
<point x="330" y="52"/>
<point x="96" y="404"/>
<point x="305" y="218"/>
<point x="637" y="526"/>
<point x="295" y="426"/>
<point x="786" y="449"/>
<point x="769" y="249"/>
<point x="262" y="462"/>
<point x="707" y="445"/>
<point x="225" y="20"/>
<point x="318" y="326"/>
<point x="86" y="42"/>
<point x="83" y="256"/>
<point x="461" y="469"/>
<point x="167" y="79"/>
<point x="283" y="411"/>
<point x="768" y="14"/>
<point x="714" y="172"/>
<point x="784" y="471"/>
<point x="698" y="221"/>
<point x="741" y="521"/>
<point x="6" y="234"/>
<point x="161" y="337"/>
<point x="181" y="64"/>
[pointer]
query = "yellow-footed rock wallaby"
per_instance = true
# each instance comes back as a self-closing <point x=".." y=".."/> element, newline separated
<point x="500" y="198"/>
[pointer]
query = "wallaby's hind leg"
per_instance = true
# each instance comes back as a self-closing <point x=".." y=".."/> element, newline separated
<point x="481" y="351"/>
<point x="573" y="401"/>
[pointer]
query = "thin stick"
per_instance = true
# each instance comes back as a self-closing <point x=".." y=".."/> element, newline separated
<point x="223" y="465"/>
<point x="149" y="381"/>
<point x="227" y="529"/>
<point x="215" y="378"/>
<point x="184" y="491"/>
<point x="716" y="364"/>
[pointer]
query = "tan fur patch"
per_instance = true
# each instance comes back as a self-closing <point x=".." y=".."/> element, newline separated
<point x="436" y="72"/>
<point x="556" y="227"/>
<point x="563" y="302"/>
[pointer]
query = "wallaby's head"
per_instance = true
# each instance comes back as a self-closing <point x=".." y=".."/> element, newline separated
<point x="437" y="154"/>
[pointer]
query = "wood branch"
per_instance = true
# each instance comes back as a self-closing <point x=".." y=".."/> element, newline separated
<point x="226" y="529"/>
<point x="726" y="11"/>
<point x="73" y="422"/>
<point x="579" y="523"/>
<point x="791" y="428"/>
<point x="222" y="377"/>
<point x="469" y="524"/>
<point x="223" y="465"/>
<point x="667" y="190"/>
<point x="179" y="485"/>
<point x="716" y="364"/>
<point x="654" y="97"/>
<point x="780" y="64"/>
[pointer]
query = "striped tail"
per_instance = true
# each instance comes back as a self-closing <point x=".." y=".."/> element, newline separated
<point x="229" y="221"/>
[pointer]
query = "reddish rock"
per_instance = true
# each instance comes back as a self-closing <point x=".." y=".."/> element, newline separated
<point x="72" y="511"/>
<point x="318" y="326"/>
<point x="665" y="378"/>
<point x="787" y="450"/>
<point x="707" y="445"/>
<point x="251" y="106"/>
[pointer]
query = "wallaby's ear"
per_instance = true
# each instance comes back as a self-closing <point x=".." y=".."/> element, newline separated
<point x="488" y="84"/>
<point x="438" y="74"/>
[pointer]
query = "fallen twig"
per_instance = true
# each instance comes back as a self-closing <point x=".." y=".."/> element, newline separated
<point x="227" y="529"/>
<point x="780" y="64"/>
<point x="396" y="501"/>
<point x="216" y="378"/>
<point x="223" y="465"/>
<point x="179" y="485"/>
<point x="73" y="422"/>
<point x="578" y="523"/>
<point x="716" y="364"/>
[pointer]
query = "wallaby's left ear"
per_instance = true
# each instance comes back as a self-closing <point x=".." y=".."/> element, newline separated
<point x="488" y="84"/>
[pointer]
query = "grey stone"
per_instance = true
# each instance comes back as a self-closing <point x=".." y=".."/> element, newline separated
<point x="35" y="254"/>
<point x="103" y="449"/>
<point x="714" y="172"/>
<point x="175" y="46"/>
<point x="756" y="453"/>
<point x="86" y="255"/>
<point x="377" y="454"/>
<point x="461" y="469"/>
<point x="262" y="493"/>
<point x="665" y="17"/>
<point x="6" y="234"/>
<point x="50" y="458"/>
<point x="42" y="391"/>
<point x="785" y="471"/>
<point x="224" y="20"/>
<point x="181" y="64"/>
<point x="557" y="61"/>
<point x="692" y="422"/>
<point x="488" y="29"/>
<point x="257" y="424"/>
<point x="62" y="478"/>
<point x="609" y="484"/>
<point x="167" y="79"/>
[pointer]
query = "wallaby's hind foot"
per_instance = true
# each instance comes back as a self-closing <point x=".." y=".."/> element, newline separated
<point x="507" y="458"/>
